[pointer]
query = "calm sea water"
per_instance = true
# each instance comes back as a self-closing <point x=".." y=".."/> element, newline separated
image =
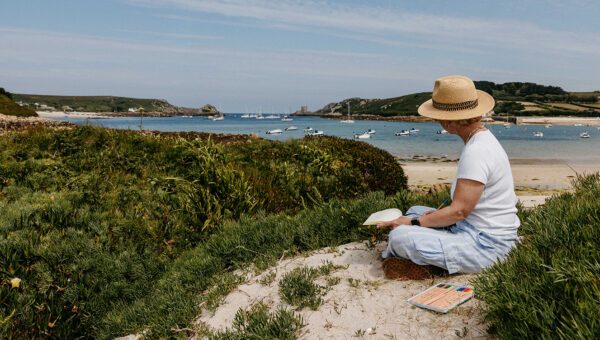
<point x="558" y="143"/>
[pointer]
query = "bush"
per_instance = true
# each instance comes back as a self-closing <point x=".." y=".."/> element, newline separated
<point x="109" y="230"/>
<point x="549" y="286"/>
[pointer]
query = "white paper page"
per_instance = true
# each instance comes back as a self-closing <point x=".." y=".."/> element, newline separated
<point x="383" y="216"/>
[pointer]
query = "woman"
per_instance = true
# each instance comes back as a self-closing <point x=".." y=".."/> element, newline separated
<point x="481" y="221"/>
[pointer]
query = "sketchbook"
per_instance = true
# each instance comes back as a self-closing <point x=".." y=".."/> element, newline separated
<point x="383" y="216"/>
<point x="442" y="297"/>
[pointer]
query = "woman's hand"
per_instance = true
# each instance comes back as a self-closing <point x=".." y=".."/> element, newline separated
<point x="402" y="220"/>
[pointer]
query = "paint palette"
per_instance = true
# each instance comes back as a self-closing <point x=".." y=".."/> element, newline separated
<point x="442" y="297"/>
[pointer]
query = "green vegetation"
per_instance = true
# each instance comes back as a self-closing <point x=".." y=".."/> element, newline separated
<point x="10" y="108"/>
<point x="507" y="96"/>
<point x="398" y="106"/>
<point x="298" y="287"/>
<point x="113" y="232"/>
<point x="549" y="286"/>
<point x="259" y="324"/>
<point x="5" y="93"/>
<point x="95" y="103"/>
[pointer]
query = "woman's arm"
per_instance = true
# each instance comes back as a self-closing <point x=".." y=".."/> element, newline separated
<point x="466" y="195"/>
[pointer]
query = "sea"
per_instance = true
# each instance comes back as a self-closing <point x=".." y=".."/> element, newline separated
<point x="558" y="144"/>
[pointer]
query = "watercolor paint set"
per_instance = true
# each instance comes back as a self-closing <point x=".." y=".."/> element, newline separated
<point x="442" y="297"/>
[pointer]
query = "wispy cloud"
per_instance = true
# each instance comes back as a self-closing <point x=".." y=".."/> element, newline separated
<point x="381" y="22"/>
<point x="172" y="35"/>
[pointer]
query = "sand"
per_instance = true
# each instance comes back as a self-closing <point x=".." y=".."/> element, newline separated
<point x="376" y="306"/>
<point x="589" y="121"/>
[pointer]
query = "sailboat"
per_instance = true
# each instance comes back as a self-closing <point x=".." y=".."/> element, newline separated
<point x="347" y="121"/>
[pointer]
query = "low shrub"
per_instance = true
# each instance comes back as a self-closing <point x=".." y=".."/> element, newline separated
<point x="112" y="232"/>
<point x="549" y="286"/>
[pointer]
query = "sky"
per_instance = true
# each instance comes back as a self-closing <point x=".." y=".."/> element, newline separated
<point x="240" y="55"/>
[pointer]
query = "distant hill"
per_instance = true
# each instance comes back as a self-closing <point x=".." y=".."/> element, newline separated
<point x="398" y="106"/>
<point x="10" y="108"/>
<point x="107" y="104"/>
<point x="513" y="98"/>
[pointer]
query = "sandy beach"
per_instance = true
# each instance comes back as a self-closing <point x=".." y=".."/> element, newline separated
<point x="535" y="180"/>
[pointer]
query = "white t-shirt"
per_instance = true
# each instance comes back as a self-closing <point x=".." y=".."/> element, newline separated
<point x="484" y="160"/>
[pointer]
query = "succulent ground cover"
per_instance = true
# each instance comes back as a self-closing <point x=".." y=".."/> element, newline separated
<point x="549" y="286"/>
<point x="97" y="223"/>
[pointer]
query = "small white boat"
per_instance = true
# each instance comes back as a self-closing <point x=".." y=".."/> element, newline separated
<point x="316" y="133"/>
<point x="272" y="117"/>
<point x="364" y="135"/>
<point x="291" y="128"/>
<point x="286" y="119"/>
<point x="577" y="124"/>
<point x="584" y="134"/>
<point x="245" y="115"/>
<point x="538" y="134"/>
<point x="413" y="130"/>
<point x="507" y="125"/>
<point x="218" y="118"/>
<point x="274" y="132"/>
<point x="548" y="126"/>
<point x="260" y="117"/>
<point x="402" y="133"/>
<point x="308" y="129"/>
<point x="370" y="131"/>
<point x="441" y="132"/>
<point x="186" y="116"/>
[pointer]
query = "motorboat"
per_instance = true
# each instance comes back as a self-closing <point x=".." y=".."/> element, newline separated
<point x="286" y="119"/>
<point x="548" y="126"/>
<point x="221" y="117"/>
<point x="441" y="132"/>
<point x="402" y="133"/>
<point x="364" y="135"/>
<point x="584" y="134"/>
<point x="316" y="133"/>
<point x="291" y="128"/>
<point x="413" y="130"/>
<point x="370" y="131"/>
<point x="538" y="134"/>
<point x="272" y="117"/>
<point x="308" y="129"/>
<point x="274" y="132"/>
<point x="245" y="115"/>
<point x="578" y="124"/>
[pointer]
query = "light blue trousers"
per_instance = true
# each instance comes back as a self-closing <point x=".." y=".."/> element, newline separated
<point x="462" y="249"/>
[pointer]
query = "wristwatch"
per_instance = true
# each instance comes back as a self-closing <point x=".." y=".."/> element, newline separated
<point x="415" y="221"/>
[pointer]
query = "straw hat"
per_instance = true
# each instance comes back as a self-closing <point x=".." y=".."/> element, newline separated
<point x="455" y="98"/>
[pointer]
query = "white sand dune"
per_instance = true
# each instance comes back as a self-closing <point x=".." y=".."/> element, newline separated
<point x="376" y="305"/>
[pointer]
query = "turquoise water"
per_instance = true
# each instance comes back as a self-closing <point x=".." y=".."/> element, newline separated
<point x="559" y="142"/>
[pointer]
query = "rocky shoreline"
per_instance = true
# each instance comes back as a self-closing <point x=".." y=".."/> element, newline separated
<point x="10" y="123"/>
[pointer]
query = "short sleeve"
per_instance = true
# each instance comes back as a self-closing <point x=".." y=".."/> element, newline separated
<point x="472" y="165"/>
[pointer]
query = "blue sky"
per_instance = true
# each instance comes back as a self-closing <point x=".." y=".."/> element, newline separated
<point x="240" y="54"/>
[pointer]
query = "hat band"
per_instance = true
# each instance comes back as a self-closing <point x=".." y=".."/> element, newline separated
<point x="455" y="106"/>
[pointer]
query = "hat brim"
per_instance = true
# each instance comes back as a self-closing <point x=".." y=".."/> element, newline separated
<point x="485" y="104"/>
